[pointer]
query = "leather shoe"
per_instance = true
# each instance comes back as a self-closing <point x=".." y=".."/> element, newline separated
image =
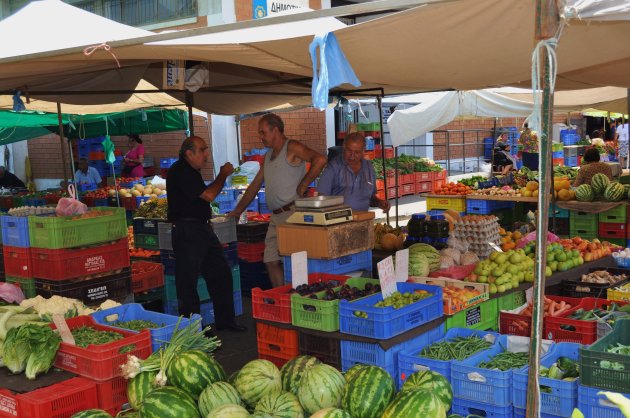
<point x="232" y="326"/>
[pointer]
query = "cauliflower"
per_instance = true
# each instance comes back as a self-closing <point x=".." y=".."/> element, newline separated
<point x="54" y="305"/>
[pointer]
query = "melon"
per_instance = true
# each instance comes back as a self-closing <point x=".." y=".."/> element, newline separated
<point x="229" y="411"/>
<point x="280" y="405"/>
<point x="368" y="393"/>
<point x="599" y="183"/>
<point x="331" y="413"/>
<point x="321" y="387"/>
<point x="292" y="371"/>
<point x="415" y="403"/>
<point x="168" y="402"/>
<point x="92" y="413"/>
<point x="354" y="370"/>
<point x="215" y="395"/>
<point x="584" y="193"/>
<point x="139" y="386"/>
<point x="193" y="370"/>
<point x="256" y="379"/>
<point x="433" y="382"/>
<point x="614" y="192"/>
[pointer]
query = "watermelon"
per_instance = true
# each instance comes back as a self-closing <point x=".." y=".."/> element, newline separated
<point x="193" y="370"/>
<point x="128" y="413"/>
<point x="168" y="402"/>
<point x="229" y="411"/>
<point x="433" y="382"/>
<point x="321" y="387"/>
<point x="261" y="415"/>
<point x="232" y="377"/>
<point x="368" y="393"/>
<point x="217" y="394"/>
<point x="352" y="371"/>
<point x="92" y="413"/>
<point x="280" y="405"/>
<point x="599" y="183"/>
<point x="331" y="413"/>
<point x="614" y="192"/>
<point x="139" y="386"/>
<point x="292" y="371"/>
<point x="257" y="378"/>
<point x="584" y="193"/>
<point x="415" y="403"/>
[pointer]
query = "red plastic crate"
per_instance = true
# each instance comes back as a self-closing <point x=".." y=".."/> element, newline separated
<point x="276" y="343"/>
<point x="89" y="201"/>
<point x="408" y="189"/>
<point x="368" y="155"/>
<point x="52" y="199"/>
<point x="18" y="262"/>
<point x="380" y="184"/>
<point x="424" y="187"/>
<point x="112" y="394"/>
<point x="101" y="362"/>
<point x="509" y="322"/>
<point x="64" y="264"/>
<point x="438" y="184"/>
<point x="407" y="178"/>
<point x="438" y="175"/>
<point x="380" y="194"/>
<point x="129" y="203"/>
<point x="146" y="276"/>
<point x="391" y="192"/>
<point x="585" y="331"/>
<point x="275" y="304"/>
<point x="251" y="252"/>
<point x="612" y="230"/>
<point x="60" y="400"/>
<point x="423" y="176"/>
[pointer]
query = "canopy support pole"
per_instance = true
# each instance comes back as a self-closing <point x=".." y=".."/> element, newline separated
<point x="189" y="105"/>
<point x="61" y="142"/>
<point x="74" y="177"/>
<point x="546" y="23"/>
<point x="379" y="104"/>
<point x="237" y="124"/>
<point x="396" y="180"/>
<point x="628" y="128"/>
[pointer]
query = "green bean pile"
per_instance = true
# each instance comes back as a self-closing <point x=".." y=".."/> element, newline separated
<point x="506" y="361"/>
<point x="136" y="325"/>
<point x="458" y="348"/>
<point x="84" y="336"/>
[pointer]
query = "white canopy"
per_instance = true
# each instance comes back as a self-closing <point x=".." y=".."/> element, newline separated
<point x="438" y="109"/>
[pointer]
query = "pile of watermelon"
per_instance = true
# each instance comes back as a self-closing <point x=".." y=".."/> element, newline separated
<point x="601" y="188"/>
<point x="198" y="387"/>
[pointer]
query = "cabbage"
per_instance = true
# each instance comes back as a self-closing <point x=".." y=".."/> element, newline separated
<point x="31" y="348"/>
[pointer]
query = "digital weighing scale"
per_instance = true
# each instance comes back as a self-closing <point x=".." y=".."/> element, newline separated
<point x="320" y="210"/>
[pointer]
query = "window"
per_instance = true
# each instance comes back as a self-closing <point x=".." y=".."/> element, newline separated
<point x="141" y="12"/>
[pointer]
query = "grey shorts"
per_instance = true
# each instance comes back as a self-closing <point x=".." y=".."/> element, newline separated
<point x="271" y="240"/>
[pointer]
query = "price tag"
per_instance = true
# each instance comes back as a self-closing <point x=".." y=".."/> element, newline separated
<point x="402" y="265"/>
<point x="495" y="247"/>
<point x="387" y="276"/>
<point x="299" y="269"/>
<point x="62" y="327"/>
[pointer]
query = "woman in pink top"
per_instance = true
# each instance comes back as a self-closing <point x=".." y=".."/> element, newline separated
<point x="134" y="158"/>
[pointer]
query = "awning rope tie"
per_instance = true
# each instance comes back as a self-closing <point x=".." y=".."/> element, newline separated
<point x="91" y="49"/>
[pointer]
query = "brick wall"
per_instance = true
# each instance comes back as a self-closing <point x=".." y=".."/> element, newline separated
<point x="45" y="152"/>
<point x="305" y="125"/>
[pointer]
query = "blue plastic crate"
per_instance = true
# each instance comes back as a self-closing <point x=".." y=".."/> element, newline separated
<point x="520" y="413"/>
<point x="571" y="161"/>
<point x="261" y="197"/>
<point x="593" y="405"/>
<point x="132" y="311"/>
<point x="226" y="207"/>
<point x="571" y="139"/>
<point x="253" y="206"/>
<point x="409" y="362"/>
<point x="487" y="151"/>
<point x="130" y="184"/>
<point x="101" y="202"/>
<point x="369" y="144"/>
<point x="557" y="154"/>
<point x="86" y="187"/>
<point x="206" y="308"/>
<point x="560" y="213"/>
<point x="34" y="201"/>
<point x="485" y="207"/>
<point x="563" y="398"/>
<point x="15" y="231"/>
<point x="346" y="264"/>
<point x="387" y="322"/>
<point x="167" y="162"/>
<point x="263" y="209"/>
<point x="486" y="386"/>
<point x="354" y="352"/>
<point x="231" y="253"/>
<point x="466" y="407"/>
<point x="226" y="195"/>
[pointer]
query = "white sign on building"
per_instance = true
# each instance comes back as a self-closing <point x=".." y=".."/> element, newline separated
<point x="264" y="8"/>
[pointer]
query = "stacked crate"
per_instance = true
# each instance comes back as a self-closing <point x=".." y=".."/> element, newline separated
<point x="17" y="253"/>
<point x="583" y="224"/>
<point x="92" y="149"/>
<point x="251" y="248"/>
<point x="612" y="225"/>
<point x="562" y="227"/>
<point x="226" y="232"/>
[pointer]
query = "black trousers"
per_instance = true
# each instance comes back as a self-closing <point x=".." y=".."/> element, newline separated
<point x="198" y="251"/>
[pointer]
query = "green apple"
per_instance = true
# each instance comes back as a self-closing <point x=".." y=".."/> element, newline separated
<point x="515" y="258"/>
<point x="553" y="265"/>
<point x="551" y="256"/>
<point x="529" y="276"/>
<point x="482" y="279"/>
<point x="494" y="255"/>
<point x="497" y="272"/>
<point x="563" y="266"/>
<point x="501" y="259"/>
<point x="575" y="253"/>
<point x="478" y="269"/>
<point x="493" y="288"/>
<point x="513" y="269"/>
<point x="560" y="256"/>
<point x="548" y="272"/>
<point x="501" y="288"/>
<point x="580" y="261"/>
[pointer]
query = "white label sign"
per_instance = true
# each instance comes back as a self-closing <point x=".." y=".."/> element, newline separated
<point x="402" y="265"/>
<point x="299" y="269"/>
<point x="62" y="327"/>
<point x="264" y="8"/>
<point x="387" y="276"/>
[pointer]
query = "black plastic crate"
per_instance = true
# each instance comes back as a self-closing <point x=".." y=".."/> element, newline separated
<point x="576" y="289"/>
<point x="90" y="290"/>
<point x="146" y="225"/>
<point x="253" y="275"/>
<point x="562" y="226"/>
<point x="251" y="232"/>
<point x="326" y="349"/>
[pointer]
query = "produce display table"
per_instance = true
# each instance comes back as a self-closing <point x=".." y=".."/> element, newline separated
<point x="503" y="198"/>
<point x="18" y="383"/>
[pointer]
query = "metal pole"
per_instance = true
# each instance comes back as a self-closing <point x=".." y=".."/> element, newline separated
<point x="237" y="122"/>
<point x="189" y="105"/>
<point x="74" y="177"/>
<point x="61" y="141"/>
<point x="396" y="180"/>
<point x="448" y="152"/>
<point x="547" y="21"/>
<point x="379" y="104"/>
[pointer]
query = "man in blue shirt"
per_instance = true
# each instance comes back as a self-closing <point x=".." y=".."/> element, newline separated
<point x="86" y="174"/>
<point x="351" y="176"/>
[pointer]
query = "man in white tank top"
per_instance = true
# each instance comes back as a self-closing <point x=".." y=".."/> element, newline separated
<point x="286" y="179"/>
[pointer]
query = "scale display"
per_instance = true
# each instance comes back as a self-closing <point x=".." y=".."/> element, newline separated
<point x="322" y="217"/>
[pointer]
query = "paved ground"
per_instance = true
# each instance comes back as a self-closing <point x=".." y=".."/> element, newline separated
<point x="238" y="348"/>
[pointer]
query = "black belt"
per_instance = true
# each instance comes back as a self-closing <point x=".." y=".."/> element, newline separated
<point x="285" y="208"/>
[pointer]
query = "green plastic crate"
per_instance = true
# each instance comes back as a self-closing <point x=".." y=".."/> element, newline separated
<point x="618" y="241"/>
<point x="482" y="317"/>
<point x="53" y="232"/>
<point x="591" y="358"/>
<point x="171" y="294"/>
<point x="614" y="215"/>
<point x="322" y="315"/>
<point x="146" y="241"/>
<point x="27" y="285"/>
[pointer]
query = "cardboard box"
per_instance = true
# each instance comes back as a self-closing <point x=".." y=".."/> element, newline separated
<point x="453" y="305"/>
<point x="326" y="242"/>
<point x="362" y="215"/>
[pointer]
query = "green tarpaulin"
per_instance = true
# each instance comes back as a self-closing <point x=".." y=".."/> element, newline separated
<point x="20" y="126"/>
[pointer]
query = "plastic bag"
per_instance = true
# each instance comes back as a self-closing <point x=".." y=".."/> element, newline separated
<point x="249" y="169"/>
<point x="458" y="244"/>
<point x="68" y="206"/>
<point x="11" y="293"/>
<point x="551" y="238"/>
<point x="158" y="181"/>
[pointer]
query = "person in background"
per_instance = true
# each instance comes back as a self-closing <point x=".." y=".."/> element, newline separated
<point x="196" y="246"/>
<point x="623" y="139"/>
<point x="502" y="159"/>
<point x="528" y="147"/>
<point x="9" y="180"/>
<point x="87" y="174"/>
<point x="352" y="177"/>
<point x="134" y="158"/>
<point x="286" y="179"/>
<point x="591" y="166"/>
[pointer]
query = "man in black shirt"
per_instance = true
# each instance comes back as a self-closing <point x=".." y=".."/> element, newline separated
<point x="197" y="248"/>
<point x="9" y="180"/>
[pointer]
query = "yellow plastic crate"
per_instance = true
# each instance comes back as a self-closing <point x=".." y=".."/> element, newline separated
<point x="456" y="203"/>
<point x="622" y="295"/>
